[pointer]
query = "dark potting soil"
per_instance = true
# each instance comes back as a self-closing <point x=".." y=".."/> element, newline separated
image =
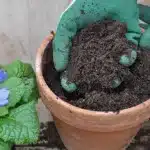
<point x="95" y="54"/>
<point x="94" y="64"/>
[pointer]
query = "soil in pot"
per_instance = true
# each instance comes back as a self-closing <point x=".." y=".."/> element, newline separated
<point x="94" y="64"/>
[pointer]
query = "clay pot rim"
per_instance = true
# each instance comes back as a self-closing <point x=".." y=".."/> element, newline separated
<point x="133" y="110"/>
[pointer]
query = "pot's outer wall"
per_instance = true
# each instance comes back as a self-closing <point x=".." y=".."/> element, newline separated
<point x="78" y="139"/>
<point x="90" y="130"/>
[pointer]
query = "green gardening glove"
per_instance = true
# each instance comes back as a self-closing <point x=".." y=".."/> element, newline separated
<point x="145" y="39"/>
<point x="79" y="14"/>
<point x="145" y="16"/>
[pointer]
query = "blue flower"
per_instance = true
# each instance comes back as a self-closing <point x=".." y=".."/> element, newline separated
<point x="4" y="94"/>
<point x="3" y="75"/>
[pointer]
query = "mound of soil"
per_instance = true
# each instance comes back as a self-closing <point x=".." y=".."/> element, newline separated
<point x="95" y="55"/>
<point x="94" y="64"/>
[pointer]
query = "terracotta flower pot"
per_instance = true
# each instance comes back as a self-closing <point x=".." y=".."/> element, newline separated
<point x="82" y="129"/>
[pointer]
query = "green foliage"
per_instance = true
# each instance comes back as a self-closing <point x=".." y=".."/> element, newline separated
<point x="19" y="123"/>
<point x="5" y="145"/>
<point x="31" y="91"/>
<point x="19" y="69"/>
<point x="3" y="111"/>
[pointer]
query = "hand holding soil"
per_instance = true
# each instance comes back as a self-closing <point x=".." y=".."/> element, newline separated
<point x="94" y="64"/>
<point x="102" y="55"/>
<point x="81" y="13"/>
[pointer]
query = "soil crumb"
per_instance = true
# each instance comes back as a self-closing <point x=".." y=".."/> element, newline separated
<point x="94" y="64"/>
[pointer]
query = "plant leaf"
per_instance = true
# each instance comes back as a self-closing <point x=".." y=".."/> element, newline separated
<point x="5" y="146"/>
<point x="21" y="126"/>
<point x="16" y="88"/>
<point x="31" y="92"/>
<point x="19" y="69"/>
<point x="28" y="70"/>
<point x="3" y="111"/>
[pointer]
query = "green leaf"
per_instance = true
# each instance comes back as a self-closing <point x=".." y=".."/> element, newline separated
<point x="3" y="111"/>
<point x="19" y="69"/>
<point x="31" y="92"/>
<point x="28" y="70"/>
<point x="5" y="145"/>
<point x="21" y="126"/>
<point x="16" y="88"/>
<point x="35" y="95"/>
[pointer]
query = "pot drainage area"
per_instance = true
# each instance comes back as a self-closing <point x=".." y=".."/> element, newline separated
<point x="50" y="140"/>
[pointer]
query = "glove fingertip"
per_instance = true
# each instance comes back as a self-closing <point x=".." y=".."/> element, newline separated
<point x="60" y="61"/>
<point x="128" y="60"/>
<point x="67" y="86"/>
<point x="60" y="66"/>
<point x="116" y="83"/>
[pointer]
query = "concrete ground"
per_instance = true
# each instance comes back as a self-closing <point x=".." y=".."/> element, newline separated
<point x="23" y="25"/>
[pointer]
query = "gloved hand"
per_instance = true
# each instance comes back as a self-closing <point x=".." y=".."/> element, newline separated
<point x="145" y="16"/>
<point x="79" y="14"/>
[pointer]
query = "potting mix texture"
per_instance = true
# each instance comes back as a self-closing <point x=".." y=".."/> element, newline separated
<point x="94" y="64"/>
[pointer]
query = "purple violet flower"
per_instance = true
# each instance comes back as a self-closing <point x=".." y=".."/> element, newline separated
<point x="3" y="75"/>
<point x="4" y="94"/>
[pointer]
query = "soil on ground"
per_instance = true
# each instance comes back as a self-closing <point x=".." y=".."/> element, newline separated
<point x="94" y="64"/>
